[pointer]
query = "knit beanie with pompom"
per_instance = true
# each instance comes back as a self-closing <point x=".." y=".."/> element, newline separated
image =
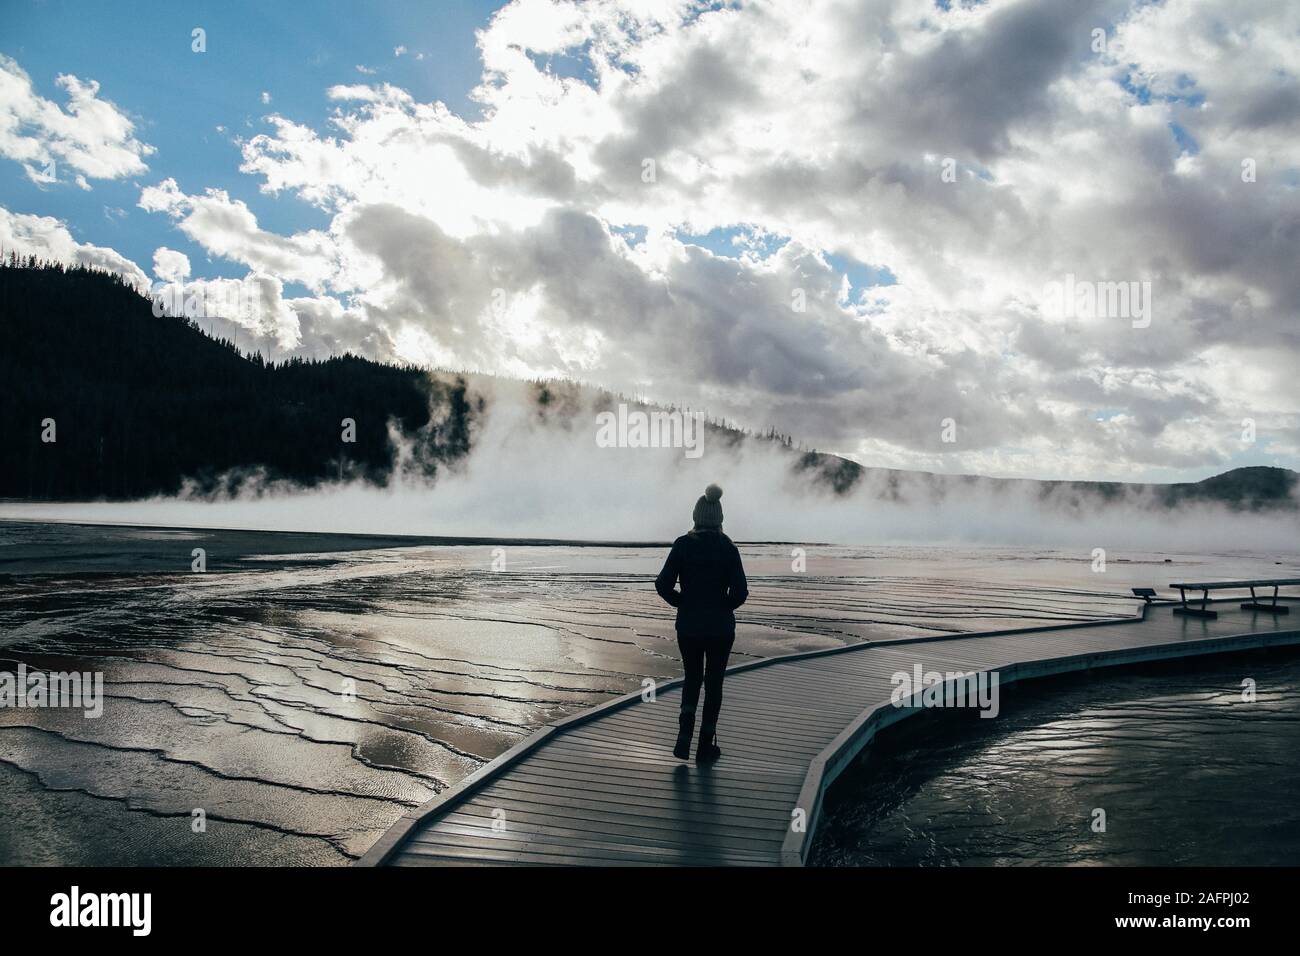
<point x="708" y="510"/>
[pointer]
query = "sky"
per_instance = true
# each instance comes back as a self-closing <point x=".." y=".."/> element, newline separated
<point x="1013" y="238"/>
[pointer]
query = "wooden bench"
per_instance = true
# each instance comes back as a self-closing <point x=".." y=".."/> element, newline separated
<point x="1254" y="604"/>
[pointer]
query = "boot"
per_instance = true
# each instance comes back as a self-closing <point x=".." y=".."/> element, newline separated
<point x="685" y="727"/>
<point x="708" y="750"/>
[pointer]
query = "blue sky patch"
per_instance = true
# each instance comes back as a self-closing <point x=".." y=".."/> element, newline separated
<point x="732" y="242"/>
<point x="861" y="276"/>
<point x="177" y="98"/>
<point x="632" y="235"/>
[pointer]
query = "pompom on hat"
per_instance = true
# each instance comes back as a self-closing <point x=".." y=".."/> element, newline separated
<point x="708" y="510"/>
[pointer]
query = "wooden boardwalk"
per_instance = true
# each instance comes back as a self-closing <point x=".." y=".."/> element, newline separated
<point x="601" y="788"/>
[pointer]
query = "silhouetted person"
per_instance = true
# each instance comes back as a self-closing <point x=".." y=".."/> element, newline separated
<point x="712" y="586"/>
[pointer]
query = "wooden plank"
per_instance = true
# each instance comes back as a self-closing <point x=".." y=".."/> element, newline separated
<point x="780" y="722"/>
<point x="787" y="711"/>
<point x="737" y="761"/>
<point x="747" y="767"/>
<point x="520" y="822"/>
<point x="634" y="773"/>
<point x="733" y="733"/>
<point x="510" y="853"/>
<point x="702" y="827"/>
<point x="660" y="740"/>
<point x="445" y="834"/>
<point x="463" y="830"/>
<point x="760" y="816"/>
<point x="693" y="801"/>
<point x="432" y="860"/>
<point x="598" y="786"/>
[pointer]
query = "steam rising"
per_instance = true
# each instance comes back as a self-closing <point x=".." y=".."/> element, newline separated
<point x="537" y="471"/>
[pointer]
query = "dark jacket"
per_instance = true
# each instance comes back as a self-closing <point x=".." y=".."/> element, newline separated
<point x="713" y="583"/>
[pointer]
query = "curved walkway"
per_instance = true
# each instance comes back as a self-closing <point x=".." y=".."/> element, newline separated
<point x="601" y="788"/>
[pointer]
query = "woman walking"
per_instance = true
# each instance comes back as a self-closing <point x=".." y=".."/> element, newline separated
<point x="713" y="585"/>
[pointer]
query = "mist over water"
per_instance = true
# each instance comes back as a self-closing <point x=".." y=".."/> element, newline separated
<point x="539" y="472"/>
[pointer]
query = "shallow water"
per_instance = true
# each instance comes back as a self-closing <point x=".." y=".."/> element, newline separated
<point x="308" y="690"/>
<point x="1187" y="771"/>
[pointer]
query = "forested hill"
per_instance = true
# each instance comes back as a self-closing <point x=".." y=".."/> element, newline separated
<point x="141" y="403"/>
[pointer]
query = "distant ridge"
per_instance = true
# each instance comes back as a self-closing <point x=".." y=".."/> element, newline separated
<point x="147" y="406"/>
<point x="1250" y="488"/>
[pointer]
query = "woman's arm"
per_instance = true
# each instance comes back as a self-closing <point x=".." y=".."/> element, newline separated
<point x="666" y="583"/>
<point x="738" y="587"/>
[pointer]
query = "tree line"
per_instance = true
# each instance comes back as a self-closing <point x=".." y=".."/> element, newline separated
<point x="137" y="405"/>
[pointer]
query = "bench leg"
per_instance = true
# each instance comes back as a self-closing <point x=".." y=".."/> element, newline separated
<point x="1274" y="608"/>
<point x="1188" y="611"/>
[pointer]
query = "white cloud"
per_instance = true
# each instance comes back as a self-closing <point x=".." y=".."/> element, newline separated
<point x="251" y="311"/>
<point x="228" y="228"/>
<point x="47" y="238"/>
<point x="496" y="242"/>
<point x="92" y="138"/>
<point x="170" y="265"/>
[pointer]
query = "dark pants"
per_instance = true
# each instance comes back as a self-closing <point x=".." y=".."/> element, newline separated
<point x="705" y="660"/>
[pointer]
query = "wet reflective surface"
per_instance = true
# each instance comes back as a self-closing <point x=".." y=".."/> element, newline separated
<point x="1187" y="771"/>
<point x="307" y="690"/>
